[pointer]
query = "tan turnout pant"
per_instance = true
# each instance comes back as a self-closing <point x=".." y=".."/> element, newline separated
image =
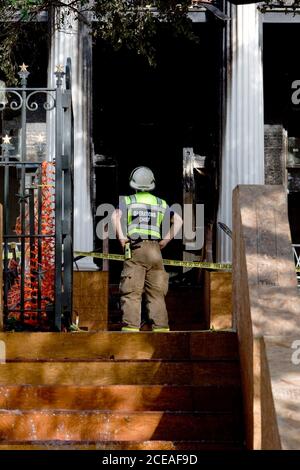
<point x="144" y="272"/>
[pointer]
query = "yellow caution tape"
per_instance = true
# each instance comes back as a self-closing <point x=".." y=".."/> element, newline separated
<point x="10" y="254"/>
<point x="100" y="255"/>
<point x="197" y="264"/>
<point x="168" y="262"/>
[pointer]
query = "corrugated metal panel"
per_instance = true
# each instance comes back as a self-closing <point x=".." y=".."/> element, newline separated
<point x="243" y="147"/>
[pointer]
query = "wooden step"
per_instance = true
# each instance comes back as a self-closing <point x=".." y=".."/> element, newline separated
<point x="180" y="325"/>
<point x="119" y="345"/>
<point x="121" y="445"/>
<point x="120" y="373"/>
<point x="122" y="398"/>
<point x="117" y="426"/>
<point x="122" y="391"/>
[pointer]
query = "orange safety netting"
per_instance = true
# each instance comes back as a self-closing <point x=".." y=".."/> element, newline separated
<point x="36" y="272"/>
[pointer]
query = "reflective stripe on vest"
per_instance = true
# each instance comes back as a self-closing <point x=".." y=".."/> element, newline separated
<point x="145" y="214"/>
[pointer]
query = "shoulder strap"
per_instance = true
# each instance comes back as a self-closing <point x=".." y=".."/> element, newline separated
<point x="161" y="202"/>
<point x="133" y="199"/>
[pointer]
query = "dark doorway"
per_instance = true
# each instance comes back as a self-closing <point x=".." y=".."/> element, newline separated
<point x="146" y="115"/>
<point x="282" y="110"/>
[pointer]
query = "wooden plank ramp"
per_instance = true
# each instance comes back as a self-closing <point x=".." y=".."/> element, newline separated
<point x="113" y="390"/>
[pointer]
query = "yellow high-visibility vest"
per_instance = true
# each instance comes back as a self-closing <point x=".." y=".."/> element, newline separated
<point x="145" y="213"/>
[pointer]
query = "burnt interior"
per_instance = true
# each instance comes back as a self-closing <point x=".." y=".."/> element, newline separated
<point x="281" y="69"/>
<point x="146" y="115"/>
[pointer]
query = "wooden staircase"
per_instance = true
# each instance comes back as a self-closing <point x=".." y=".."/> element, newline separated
<point x="113" y="390"/>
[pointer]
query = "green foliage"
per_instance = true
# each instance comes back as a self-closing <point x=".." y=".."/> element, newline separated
<point x="122" y="23"/>
<point x="134" y="24"/>
<point x="284" y="4"/>
<point x="7" y="68"/>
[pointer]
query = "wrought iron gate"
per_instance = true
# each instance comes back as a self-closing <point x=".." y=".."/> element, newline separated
<point x="37" y="201"/>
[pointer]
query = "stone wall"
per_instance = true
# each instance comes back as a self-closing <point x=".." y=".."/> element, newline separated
<point x="275" y="154"/>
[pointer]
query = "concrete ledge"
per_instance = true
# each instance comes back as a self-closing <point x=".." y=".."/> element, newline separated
<point x="283" y="359"/>
<point x="266" y="304"/>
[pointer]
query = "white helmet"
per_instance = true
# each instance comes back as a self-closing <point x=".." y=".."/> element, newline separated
<point x="142" y="179"/>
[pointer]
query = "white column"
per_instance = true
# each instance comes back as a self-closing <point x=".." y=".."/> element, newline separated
<point x="73" y="40"/>
<point x="243" y="143"/>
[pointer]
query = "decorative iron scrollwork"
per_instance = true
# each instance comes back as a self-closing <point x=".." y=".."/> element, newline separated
<point x="48" y="105"/>
<point x="14" y="104"/>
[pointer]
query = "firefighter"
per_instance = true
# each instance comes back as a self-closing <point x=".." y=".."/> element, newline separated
<point x="138" y="224"/>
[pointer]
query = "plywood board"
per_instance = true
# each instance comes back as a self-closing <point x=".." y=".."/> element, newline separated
<point x="218" y="299"/>
<point x="90" y="299"/>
